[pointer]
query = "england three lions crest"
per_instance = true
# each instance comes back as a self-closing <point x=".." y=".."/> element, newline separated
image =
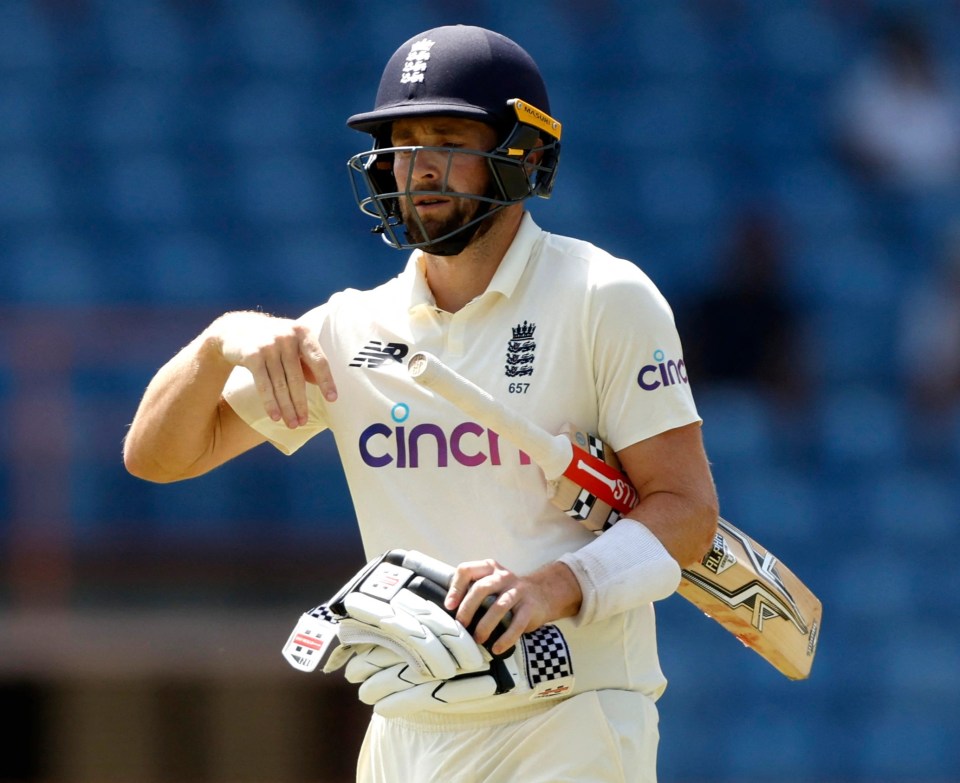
<point x="521" y="350"/>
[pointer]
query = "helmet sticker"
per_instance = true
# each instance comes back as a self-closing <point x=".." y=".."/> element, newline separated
<point x="416" y="63"/>
<point x="531" y="115"/>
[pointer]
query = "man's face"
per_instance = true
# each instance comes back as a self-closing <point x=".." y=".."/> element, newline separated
<point x="432" y="170"/>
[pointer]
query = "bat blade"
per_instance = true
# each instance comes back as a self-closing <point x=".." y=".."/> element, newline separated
<point x="746" y="589"/>
<point x="738" y="583"/>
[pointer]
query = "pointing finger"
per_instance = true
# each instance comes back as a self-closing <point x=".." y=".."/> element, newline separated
<point x="315" y="364"/>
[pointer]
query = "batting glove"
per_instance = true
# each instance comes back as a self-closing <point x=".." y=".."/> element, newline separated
<point x="541" y="666"/>
<point x="395" y="602"/>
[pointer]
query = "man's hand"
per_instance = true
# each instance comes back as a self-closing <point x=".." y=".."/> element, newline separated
<point x="184" y="428"/>
<point x="282" y="355"/>
<point x="548" y="594"/>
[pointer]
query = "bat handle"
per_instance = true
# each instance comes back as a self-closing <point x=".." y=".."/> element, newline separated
<point x="424" y="565"/>
<point x="551" y="452"/>
<point x="440" y="573"/>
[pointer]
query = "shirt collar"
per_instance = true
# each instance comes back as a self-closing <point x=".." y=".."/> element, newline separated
<point x="505" y="279"/>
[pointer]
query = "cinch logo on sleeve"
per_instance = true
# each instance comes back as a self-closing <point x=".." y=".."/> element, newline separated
<point x="663" y="373"/>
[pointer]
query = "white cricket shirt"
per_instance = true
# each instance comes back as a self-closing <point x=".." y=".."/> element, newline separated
<point x="564" y="333"/>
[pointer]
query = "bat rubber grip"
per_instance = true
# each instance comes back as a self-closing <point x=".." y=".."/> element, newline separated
<point x="432" y="573"/>
<point x="432" y="569"/>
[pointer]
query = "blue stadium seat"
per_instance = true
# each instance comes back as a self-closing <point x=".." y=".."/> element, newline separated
<point x="915" y="509"/>
<point x="668" y="116"/>
<point x="777" y="740"/>
<point x="922" y="664"/>
<point x="146" y="37"/>
<point x="280" y="189"/>
<point x="29" y="192"/>
<point x="860" y="427"/>
<point x="679" y="190"/>
<point x="907" y="740"/>
<point x="52" y="268"/>
<point x="817" y="196"/>
<point x="779" y="506"/>
<point x="193" y="511"/>
<point x="320" y="503"/>
<point x="800" y="40"/>
<point x="308" y="265"/>
<point x="737" y="424"/>
<point x="25" y="109"/>
<point x="850" y="346"/>
<point x="873" y="583"/>
<point x="277" y="37"/>
<point x="133" y="113"/>
<point x="670" y="40"/>
<point x="850" y="269"/>
<point x="265" y="115"/>
<point x="187" y="267"/>
<point x="148" y="188"/>
<point x="25" y="42"/>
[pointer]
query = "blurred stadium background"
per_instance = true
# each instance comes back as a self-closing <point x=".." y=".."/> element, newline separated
<point x="162" y="161"/>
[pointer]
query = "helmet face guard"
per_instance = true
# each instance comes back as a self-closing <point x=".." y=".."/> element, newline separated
<point x="520" y="167"/>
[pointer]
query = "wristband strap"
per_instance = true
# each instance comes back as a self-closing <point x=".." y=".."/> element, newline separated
<point x="621" y="569"/>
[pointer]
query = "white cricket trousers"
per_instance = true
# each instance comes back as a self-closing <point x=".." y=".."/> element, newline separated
<point x="595" y="737"/>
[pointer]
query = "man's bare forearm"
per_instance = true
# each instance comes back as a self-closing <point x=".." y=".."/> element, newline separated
<point x="177" y="421"/>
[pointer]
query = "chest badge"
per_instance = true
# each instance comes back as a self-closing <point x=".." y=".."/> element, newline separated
<point x="521" y="350"/>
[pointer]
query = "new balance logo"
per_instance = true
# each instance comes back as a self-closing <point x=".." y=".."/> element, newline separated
<point x="376" y="353"/>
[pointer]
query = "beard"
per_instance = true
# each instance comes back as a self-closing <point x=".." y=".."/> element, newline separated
<point x="421" y="231"/>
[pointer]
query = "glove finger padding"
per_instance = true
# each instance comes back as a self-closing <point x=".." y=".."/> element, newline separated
<point x="343" y="654"/>
<point x="369" y="663"/>
<point x="380" y="606"/>
<point x="418" y="631"/>
<point x="541" y="666"/>
<point x="469" y="655"/>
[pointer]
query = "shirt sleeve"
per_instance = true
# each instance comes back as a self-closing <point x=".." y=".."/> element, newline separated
<point x="241" y="394"/>
<point x="642" y="382"/>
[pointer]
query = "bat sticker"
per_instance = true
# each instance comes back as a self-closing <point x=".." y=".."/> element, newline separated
<point x="765" y="603"/>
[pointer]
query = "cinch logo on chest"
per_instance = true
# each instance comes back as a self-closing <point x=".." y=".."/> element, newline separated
<point x="467" y="444"/>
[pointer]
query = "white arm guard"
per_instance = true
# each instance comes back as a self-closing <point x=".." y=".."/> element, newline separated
<point x="622" y="569"/>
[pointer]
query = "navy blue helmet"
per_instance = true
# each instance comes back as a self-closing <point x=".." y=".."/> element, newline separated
<point x="468" y="72"/>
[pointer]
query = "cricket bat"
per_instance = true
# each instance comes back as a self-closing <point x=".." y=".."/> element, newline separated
<point x="738" y="583"/>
